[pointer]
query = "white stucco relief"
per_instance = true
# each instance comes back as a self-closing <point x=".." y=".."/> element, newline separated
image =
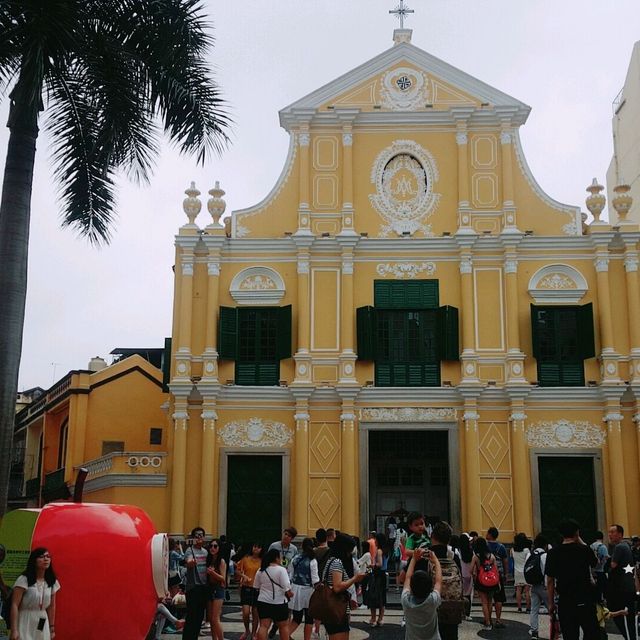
<point x="407" y="414"/>
<point x="404" y="175"/>
<point x="565" y="433"/>
<point x="405" y="269"/>
<point x="255" y="432"/>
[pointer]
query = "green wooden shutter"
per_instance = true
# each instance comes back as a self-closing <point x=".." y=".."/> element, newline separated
<point x="535" y="329"/>
<point x="586" y="338"/>
<point x="365" y="326"/>
<point x="448" y="342"/>
<point x="411" y="294"/>
<point x="549" y="374"/>
<point x="572" y="374"/>
<point x="284" y="333"/>
<point x="383" y="375"/>
<point x="228" y="333"/>
<point x="432" y="375"/>
<point x="166" y="365"/>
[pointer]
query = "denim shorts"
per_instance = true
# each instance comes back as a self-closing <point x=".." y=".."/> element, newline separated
<point x="217" y="593"/>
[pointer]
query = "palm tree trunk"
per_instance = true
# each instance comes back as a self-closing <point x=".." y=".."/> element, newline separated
<point x="15" y="212"/>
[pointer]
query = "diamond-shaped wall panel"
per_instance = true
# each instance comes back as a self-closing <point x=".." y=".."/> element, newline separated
<point x="324" y="502"/>
<point x="494" y="448"/>
<point x="324" y="448"/>
<point x="496" y="497"/>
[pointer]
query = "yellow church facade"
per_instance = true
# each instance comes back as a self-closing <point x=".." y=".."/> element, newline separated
<point x="406" y="322"/>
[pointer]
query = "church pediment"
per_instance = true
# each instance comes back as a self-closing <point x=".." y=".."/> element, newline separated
<point x="406" y="79"/>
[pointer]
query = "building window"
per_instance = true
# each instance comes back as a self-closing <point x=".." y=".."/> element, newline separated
<point x="257" y="338"/>
<point x="62" y="443"/>
<point x="155" y="435"/>
<point x="562" y="338"/>
<point x="406" y="334"/>
<point x="112" y="446"/>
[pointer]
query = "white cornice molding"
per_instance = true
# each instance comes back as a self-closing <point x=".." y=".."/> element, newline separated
<point x="231" y="393"/>
<point x="424" y="61"/>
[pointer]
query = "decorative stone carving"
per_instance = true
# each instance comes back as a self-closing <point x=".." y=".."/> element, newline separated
<point x="404" y="174"/>
<point x="564" y="433"/>
<point x="257" y="286"/>
<point x="407" y="414"/>
<point x="406" y="269"/>
<point x="557" y="283"/>
<point x="347" y="139"/>
<point x="213" y="268"/>
<point x="187" y="268"/>
<point x="466" y="265"/>
<point x="191" y="205"/>
<point x="511" y="266"/>
<point x="304" y="139"/>
<point x="255" y="432"/>
<point x="506" y="137"/>
<point x="404" y="89"/>
<point x="303" y="266"/>
<point x="631" y="263"/>
<point x="216" y="204"/>
<point x="461" y="138"/>
<point x="601" y="264"/>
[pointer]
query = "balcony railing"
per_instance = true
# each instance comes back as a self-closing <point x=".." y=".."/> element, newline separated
<point x="127" y="468"/>
<point x="32" y="487"/>
<point x="55" y="488"/>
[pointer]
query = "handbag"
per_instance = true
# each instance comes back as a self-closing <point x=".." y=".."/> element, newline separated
<point x="326" y="605"/>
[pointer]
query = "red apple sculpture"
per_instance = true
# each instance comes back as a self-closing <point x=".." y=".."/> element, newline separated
<point x="111" y="564"/>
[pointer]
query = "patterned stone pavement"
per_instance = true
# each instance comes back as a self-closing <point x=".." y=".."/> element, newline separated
<point x="517" y="626"/>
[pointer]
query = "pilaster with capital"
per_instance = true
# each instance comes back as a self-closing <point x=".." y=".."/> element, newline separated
<point x="304" y="218"/>
<point x="210" y="354"/>
<point x="186" y="262"/>
<point x="462" y="141"/>
<point x="302" y="357"/>
<point x="179" y="463"/>
<point x="636" y="422"/>
<point x="608" y="358"/>
<point x="349" y="455"/>
<point x="617" y="477"/>
<point x="347" y="178"/>
<point x="520" y="469"/>
<point x="208" y="467"/>
<point x="515" y="357"/>
<point x="468" y="358"/>
<point x="633" y="304"/>
<point x="508" y="202"/>
<point x="471" y="495"/>
<point x="347" y="374"/>
<point x="301" y="466"/>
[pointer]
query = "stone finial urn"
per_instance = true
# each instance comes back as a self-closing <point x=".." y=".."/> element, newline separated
<point x="191" y="205"/>
<point x="596" y="201"/>
<point x="216" y="204"/>
<point x="622" y="201"/>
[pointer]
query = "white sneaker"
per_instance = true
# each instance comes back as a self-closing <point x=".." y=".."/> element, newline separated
<point x="403" y="623"/>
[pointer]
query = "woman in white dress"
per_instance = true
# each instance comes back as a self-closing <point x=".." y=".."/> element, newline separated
<point x="33" y="604"/>
<point x="520" y="552"/>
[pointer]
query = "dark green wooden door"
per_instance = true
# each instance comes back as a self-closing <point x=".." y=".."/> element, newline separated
<point x="567" y="490"/>
<point x="254" y="499"/>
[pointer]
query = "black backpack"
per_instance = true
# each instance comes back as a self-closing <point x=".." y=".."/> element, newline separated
<point x="533" y="568"/>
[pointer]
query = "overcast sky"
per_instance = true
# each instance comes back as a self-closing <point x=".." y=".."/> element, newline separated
<point x="567" y="59"/>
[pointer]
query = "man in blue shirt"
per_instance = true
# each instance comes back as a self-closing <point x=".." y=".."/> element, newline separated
<point x="499" y="551"/>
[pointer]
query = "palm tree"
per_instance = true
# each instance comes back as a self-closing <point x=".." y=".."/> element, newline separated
<point x="108" y="76"/>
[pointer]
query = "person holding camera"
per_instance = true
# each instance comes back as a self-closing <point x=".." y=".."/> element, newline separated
<point x="197" y="590"/>
<point x="272" y="581"/>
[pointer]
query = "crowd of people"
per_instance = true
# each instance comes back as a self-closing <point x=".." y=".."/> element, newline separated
<point x="579" y="585"/>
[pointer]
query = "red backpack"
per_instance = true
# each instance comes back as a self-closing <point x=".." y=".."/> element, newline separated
<point x="488" y="575"/>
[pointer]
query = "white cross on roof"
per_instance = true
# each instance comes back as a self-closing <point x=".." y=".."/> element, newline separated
<point x="400" y="12"/>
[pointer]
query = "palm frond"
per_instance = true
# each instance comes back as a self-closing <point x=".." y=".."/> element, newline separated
<point x="128" y="133"/>
<point x="193" y="111"/>
<point x="85" y="177"/>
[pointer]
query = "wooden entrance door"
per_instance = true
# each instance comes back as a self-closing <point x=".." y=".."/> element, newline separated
<point x="254" y="499"/>
<point x="567" y="490"/>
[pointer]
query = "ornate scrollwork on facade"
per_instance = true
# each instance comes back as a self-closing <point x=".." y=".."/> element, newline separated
<point x="404" y="174"/>
<point x="404" y="89"/>
<point x="255" y="432"/>
<point x="564" y="433"/>
<point x="557" y="283"/>
<point x="257" y="285"/>
<point x="407" y="414"/>
<point x="406" y="269"/>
